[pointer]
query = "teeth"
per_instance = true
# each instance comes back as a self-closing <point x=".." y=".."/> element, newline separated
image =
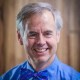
<point x="40" y="50"/>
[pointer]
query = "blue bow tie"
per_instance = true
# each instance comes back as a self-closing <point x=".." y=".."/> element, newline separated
<point x="27" y="74"/>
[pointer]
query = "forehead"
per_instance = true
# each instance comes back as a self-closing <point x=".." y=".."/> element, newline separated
<point x="44" y="20"/>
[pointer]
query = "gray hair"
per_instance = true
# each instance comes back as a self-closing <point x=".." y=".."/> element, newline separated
<point x="33" y="8"/>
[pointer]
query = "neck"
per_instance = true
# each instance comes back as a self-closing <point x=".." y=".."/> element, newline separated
<point x="41" y="65"/>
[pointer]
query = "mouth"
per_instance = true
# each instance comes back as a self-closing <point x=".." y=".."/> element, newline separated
<point x="40" y="50"/>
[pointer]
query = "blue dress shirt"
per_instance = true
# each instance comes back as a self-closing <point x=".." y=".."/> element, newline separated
<point x="56" y="71"/>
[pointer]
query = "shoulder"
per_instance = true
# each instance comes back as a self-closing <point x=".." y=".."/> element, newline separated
<point x="13" y="73"/>
<point x="68" y="73"/>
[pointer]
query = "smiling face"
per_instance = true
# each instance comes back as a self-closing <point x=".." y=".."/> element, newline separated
<point x="40" y="37"/>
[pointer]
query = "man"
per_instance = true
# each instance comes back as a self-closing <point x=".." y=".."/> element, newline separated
<point x="38" y="29"/>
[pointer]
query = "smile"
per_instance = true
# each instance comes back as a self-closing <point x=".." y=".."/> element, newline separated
<point x="40" y="50"/>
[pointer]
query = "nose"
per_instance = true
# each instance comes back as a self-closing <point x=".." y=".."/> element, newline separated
<point x="40" y="40"/>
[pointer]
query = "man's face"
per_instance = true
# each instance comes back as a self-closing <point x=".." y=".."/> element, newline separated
<point x="40" y="37"/>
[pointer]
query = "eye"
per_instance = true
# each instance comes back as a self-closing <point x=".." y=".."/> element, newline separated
<point x="48" y="34"/>
<point x="32" y="34"/>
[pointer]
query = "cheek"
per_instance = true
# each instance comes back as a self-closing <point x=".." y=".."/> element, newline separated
<point x="30" y="43"/>
<point x="52" y="43"/>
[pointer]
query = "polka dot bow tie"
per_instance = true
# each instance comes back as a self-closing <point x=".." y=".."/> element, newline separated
<point x="27" y="74"/>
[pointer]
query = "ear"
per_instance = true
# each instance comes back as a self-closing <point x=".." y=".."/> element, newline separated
<point x="19" y="38"/>
<point x="58" y="36"/>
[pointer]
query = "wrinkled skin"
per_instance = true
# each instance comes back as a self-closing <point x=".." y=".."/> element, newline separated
<point x="40" y="39"/>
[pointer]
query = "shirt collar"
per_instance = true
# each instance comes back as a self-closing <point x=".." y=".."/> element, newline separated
<point x="52" y="68"/>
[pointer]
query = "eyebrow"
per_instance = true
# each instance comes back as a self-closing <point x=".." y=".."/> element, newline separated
<point x="48" y="31"/>
<point x="32" y="32"/>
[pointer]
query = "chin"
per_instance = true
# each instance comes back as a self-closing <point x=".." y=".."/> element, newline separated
<point x="43" y="59"/>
